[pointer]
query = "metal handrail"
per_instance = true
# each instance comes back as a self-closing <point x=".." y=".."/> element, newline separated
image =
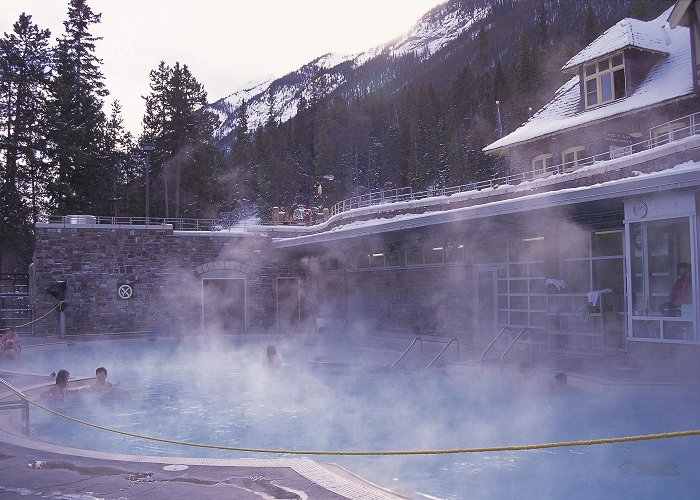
<point x="417" y="339"/>
<point x="443" y="350"/>
<point x="498" y="335"/>
<point x="22" y="404"/>
<point x="512" y="343"/>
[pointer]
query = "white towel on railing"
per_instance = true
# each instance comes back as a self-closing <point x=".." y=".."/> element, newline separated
<point x="594" y="296"/>
<point x="559" y="284"/>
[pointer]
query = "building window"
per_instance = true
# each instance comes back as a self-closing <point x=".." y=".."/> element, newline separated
<point x="414" y="256"/>
<point x="376" y="259"/>
<point x="435" y="255"/>
<point x="661" y="285"/>
<point x="604" y="80"/>
<point x="669" y="132"/>
<point x="542" y="163"/>
<point x="573" y="158"/>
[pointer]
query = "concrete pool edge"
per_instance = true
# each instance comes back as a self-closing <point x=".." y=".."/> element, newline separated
<point x="331" y="477"/>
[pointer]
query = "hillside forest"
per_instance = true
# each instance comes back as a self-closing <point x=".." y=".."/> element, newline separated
<point x="420" y="120"/>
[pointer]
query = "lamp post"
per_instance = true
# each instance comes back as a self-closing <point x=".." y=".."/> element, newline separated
<point x="500" y="123"/>
<point x="148" y="147"/>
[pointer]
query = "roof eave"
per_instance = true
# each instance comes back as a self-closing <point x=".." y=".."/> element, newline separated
<point x="503" y="150"/>
<point x="679" y="14"/>
<point x="573" y="69"/>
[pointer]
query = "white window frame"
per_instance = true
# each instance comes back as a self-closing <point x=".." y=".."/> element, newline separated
<point x="542" y="163"/>
<point x="578" y="152"/>
<point x="601" y="74"/>
<point x="669" y="132"/>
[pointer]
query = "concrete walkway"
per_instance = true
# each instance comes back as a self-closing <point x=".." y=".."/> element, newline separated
<point x="38" y="470"/>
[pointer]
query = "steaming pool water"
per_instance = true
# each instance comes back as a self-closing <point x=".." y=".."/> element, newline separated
<point x="222" y="393"/>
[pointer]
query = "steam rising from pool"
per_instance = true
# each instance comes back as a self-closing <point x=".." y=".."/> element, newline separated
<point x="220" y="391"/>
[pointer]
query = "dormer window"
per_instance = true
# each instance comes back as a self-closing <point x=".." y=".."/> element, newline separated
<point x="604" y="80"/>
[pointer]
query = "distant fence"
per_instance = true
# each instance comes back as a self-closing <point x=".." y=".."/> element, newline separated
<point x="15" y="306"/>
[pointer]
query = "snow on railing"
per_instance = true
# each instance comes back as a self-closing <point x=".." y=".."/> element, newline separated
<point x="178" y="224"/>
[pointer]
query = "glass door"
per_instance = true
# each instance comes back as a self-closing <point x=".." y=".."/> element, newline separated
<point x="662" y="302"/>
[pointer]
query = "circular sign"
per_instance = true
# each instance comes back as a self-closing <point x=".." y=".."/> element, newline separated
<point x="640" y="209"/>
<point x="125" y="292"/>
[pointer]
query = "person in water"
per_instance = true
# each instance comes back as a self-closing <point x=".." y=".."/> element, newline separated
<point x="10" y="345"/>
<point x="60" y="388"/>
<point x="101" y="383"/>
<point x="272" y="358"/>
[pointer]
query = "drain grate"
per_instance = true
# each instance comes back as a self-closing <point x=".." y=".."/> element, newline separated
<point x="141" y="477"/>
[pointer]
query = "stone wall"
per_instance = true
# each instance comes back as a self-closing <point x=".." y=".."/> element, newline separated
<point x="163" y="268"/>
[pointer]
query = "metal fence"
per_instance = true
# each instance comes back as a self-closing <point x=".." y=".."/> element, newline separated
<point x="179" y="224"/>
<point x="15" y="306"/>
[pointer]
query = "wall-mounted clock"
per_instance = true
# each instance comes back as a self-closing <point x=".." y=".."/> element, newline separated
<point x="640" y="210"/>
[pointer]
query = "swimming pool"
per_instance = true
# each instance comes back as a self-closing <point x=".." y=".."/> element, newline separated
<point x="222" y="393"/>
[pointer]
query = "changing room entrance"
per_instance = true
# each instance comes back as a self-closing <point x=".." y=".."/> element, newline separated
<point x="223" y="304"/>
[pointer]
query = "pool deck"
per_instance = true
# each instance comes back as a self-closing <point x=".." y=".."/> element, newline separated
<point x="30" y="468"/>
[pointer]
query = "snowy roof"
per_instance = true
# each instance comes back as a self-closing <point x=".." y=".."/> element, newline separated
<point x="651" y="36"/>
<point x="670" y="78"/>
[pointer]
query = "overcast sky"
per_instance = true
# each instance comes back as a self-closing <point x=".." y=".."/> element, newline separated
<point x="225" y="43"/>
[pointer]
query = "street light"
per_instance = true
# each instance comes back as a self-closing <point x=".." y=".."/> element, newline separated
<point x="148" y="147"/>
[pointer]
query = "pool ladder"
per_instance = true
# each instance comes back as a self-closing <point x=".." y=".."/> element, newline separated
<point x="21" y="404"/>
<point x="522" y="333"/>
<point x="419" y="341"/>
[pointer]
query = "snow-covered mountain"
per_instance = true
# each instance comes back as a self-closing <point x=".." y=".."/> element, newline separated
<point x="431" y="35"/>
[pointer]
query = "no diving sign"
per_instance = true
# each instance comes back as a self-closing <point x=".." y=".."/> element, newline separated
<point x="125" y="291"/>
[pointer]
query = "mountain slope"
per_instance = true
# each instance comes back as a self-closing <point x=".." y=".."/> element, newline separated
<point x="280" y="97"/>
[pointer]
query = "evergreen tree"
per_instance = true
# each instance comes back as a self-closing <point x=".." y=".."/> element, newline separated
<point x="180" y="127"/>
<point x="243" y="184"/>
<point x="119" y="160"/>
<point x="590" y="28"/>
<point x="75" y="121"/>
<point x="542" y="25"/>
<point x="24" y="57"/>
<point x="527" y="78"/>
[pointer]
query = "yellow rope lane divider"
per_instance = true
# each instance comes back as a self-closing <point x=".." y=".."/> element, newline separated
<point x="524" y="447"/>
